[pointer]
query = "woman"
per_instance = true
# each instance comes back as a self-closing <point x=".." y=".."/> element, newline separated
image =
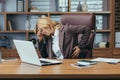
<point x="60" y="41"/>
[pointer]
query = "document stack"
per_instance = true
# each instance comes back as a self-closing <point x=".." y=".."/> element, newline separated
<point x="84" y="63"/>
<point x="108" y="60"/>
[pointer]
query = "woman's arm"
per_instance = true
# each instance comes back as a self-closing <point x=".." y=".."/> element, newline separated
<point x="80" y="29"/>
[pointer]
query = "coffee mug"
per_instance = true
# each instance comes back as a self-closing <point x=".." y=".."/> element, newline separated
<point x="103" y="44"/>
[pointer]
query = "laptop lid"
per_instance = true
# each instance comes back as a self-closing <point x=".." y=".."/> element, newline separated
<point x="27" y="52"/>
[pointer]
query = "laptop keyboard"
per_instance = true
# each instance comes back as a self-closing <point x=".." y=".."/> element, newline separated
<point x="44" y="61"/>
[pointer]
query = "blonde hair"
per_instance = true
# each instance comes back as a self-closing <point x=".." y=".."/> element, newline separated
<point x="45" y="21"/>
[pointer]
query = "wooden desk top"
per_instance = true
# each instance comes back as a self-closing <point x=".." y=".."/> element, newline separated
<point x="16" y="69"/>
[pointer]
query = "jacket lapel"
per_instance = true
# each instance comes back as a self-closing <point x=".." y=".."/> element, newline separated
<point x="49" y="48"/>
<point x="61" y="38"/>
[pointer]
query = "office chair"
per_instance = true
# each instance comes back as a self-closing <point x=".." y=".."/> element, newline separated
<point x="82" y="19"/>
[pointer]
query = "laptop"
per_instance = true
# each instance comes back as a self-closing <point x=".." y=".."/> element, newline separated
<point x="28" y="54"/>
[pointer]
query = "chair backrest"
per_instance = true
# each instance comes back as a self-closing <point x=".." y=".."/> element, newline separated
<point x="81" y="19"/>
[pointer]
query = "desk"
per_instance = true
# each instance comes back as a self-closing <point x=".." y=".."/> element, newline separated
<point x="16" y="69"/>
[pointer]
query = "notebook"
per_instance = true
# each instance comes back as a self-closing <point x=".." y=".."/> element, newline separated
<point x="28" y="54"/>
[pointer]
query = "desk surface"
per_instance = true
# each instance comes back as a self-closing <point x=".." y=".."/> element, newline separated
<point x="16" y="69"/>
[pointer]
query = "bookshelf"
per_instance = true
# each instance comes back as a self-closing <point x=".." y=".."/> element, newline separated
<point x="116" y="46"/>
<point x="32" y="9"/>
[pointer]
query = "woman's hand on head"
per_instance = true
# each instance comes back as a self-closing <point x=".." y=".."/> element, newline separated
<point x="52" y="30"/>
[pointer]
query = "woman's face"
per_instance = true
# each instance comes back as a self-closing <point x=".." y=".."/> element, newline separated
<point x="44" y="29"/>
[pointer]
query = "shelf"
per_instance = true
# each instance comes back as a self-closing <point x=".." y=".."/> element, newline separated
<point x="116" y="47"/>
<point x="104" y="31"/>
<point x="70" y="12"/>
<point x="2" y="13"/>
<point x="117" y="30"/>
<point x="26" y="12"/>
<point x="17" y="31"/>
<point x="102" y="48"/>
<point x="102" y="12"/>
<point x="98" y="13"/>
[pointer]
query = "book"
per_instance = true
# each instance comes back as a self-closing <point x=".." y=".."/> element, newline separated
<point x="84" y="64"/>
<point x="108" y="60"/>
<point x="80" y="66"/>
<point x="9" y="26"/>
<point x="20" y="5"/>
<point x="89" y="62"/>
